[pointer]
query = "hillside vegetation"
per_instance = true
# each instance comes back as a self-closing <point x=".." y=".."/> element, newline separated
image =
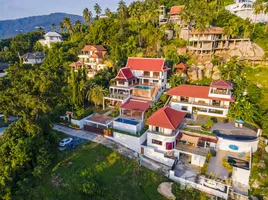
<point x="10" y="28"/>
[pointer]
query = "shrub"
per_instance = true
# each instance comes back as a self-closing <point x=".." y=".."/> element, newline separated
<point x="209" y="123"/>
<point x="204" y="169"/>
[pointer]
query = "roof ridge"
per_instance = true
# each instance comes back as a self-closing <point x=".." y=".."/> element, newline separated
<point x="168" y="117"/>
<point x="147" y="58"/>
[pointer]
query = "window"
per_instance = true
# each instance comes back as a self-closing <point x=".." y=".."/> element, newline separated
<point x="157" y="129"/>
<point x="216" y="111"/>
<point x="184" y="108"/>
<point x="185" y="99"/>
<point x="156" y="142"/>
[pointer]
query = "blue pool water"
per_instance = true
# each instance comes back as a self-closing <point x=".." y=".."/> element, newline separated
<point x="143" y="87"/>
<point x="127" y="121"/>
<point x="233" y="147"/>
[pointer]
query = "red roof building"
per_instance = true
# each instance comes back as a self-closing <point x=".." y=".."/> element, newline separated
<point x="176" y="10"/>
<point x="222" y="84"/>
<point x="147" y="64"/>
<point x="195" y="91"/>
<point x="125" y="74"/>
<point x="136" y="104"/>
<point x="181" y="66"/>
<point x="76" y="64"/>
<point x="94" y="48"/>
<point x="166" y="118"/>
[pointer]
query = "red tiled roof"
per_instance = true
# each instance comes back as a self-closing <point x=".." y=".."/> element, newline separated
<point x="76" y="64"/>
<point x="181" y="66"/>
<point x="97" y="55"/>
<point x="194" y="91"/>
<point x="136" y="104"/>
<point x="222" y="84"/>
<point x="125" y="73"/>
<point x="147" y="64"/>
<point x="166" y="118"/>
<point x="208" y="31"/>
<point x="93" y="48"/>
<point x="175" y="10"/>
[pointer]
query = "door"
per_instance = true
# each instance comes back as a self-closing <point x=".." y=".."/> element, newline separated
<point x="142" y="150"/>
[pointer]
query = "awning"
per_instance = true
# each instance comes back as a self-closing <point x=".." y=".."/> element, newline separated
<point x="189" y="139"/>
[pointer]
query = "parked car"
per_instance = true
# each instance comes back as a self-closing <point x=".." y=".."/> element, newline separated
<point x="65" y="142"/>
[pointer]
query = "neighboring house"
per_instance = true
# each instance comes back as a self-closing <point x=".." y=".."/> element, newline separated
<point x="172" y="17"/>
<point x="213" y="100"/>
<point x="245" y="9"/>
<point x="49" y="38"/>
<point x="33" y="58"/>
<point x="132" y="116"/>
<point x="92" y="59"/>
<point x="164" y="127"/>
<point x="143" y="78"/>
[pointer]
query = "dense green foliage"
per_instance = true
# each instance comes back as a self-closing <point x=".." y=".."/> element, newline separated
<point x="40" y="94"/>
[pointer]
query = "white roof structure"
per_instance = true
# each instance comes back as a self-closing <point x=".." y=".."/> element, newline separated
<point x="52" y="34"/>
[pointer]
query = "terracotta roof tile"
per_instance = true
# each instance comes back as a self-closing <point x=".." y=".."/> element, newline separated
<point x="76" y="64"/>
<point x="194" y="91"/>
<point x="147" y="64"/>
<point x="208" y="31"/>
<point x="166" y="118"/>
<point x="136" y="104"/>
<point x="222" y="84"/>
<point x="125" y="73"/>
<point x="181" y="66"/>
<point x="94" y="48"/>
<point x="175" y="10"/>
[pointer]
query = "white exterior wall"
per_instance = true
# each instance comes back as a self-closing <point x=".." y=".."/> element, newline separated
<point x="243" y="146"/>
<point x="178" y="106"/>
<point x="162" y="138"/>
<point x="134" y="129"/>
<point x="197" y="186"/>
<point x="241" y="176"/>
<point x="198" y="160"/>
<point x="81" y="122"/>
<point x="157" y="156"/>
<point x="129" y="141"/>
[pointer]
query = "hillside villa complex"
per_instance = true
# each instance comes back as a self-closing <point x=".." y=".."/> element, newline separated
<point x="201" y="43"/>
<point x="49" y="38"/>
<point x="213" y="100"/>
<point x="91" y="59"/>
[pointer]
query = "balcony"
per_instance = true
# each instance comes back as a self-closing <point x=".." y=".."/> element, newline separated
<point x="119" y="97"/>
<point x="202" y="104"/>
<point x="173" y="133"/>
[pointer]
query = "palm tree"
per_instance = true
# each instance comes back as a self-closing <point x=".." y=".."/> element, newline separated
<point x="247" y="28"/>
<point x="258" y="8"/>
<point x="53" y="26"/>
<point x="87" y="16"/>
<point x="175" y="81"/>
<point x="108" y="12"/>
<point x="62" y="27"/>
<point x="96" y="94"/>
<point x="67" y="23"/>
<point x="97" y="9"/>
<point x="122" y="11"/>
<point x="78" y="26"/>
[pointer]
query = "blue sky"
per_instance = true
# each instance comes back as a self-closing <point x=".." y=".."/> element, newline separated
<point x="12" y="9"/>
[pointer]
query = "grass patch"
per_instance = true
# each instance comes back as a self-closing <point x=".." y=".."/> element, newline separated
<point x="199" y="131"/>
<point x="114" y="177"/>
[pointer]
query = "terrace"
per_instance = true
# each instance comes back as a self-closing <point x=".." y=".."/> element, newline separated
<point x="213" y="104"/>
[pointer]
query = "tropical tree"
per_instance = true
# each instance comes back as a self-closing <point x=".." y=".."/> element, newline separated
<point x="175" y="81"/>
<point x="67" y="23"/>
<point x="108" y="12"/>
<point x="97" y="9"/>
<point x="96" y="94"/>
<point x="53" y="26"/>
<point x="87" y="16"/>
<point x="258" y="7"/>
<point x="62" y="27"/>
<point x="78" y="26"/>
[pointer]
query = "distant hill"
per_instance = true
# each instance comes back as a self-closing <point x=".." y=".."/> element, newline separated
<point x="10" y="28"/>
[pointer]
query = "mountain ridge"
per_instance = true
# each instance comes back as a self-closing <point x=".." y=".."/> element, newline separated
<point x="11" y="27"/>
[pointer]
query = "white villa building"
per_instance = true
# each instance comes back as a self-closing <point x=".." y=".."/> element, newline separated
<point x="92" y="59"/>
<point x="143" y="78"/>
<point x="33" y="58"/>
<point x="49" y="38"/>
<point x="213" y="100"/>
<point x="245" y="9"/>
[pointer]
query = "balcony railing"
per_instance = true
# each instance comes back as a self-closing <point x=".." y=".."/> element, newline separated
<point x="173" y="133"/>
<point x="118" y="96"/>
<point x="200" y="103"/>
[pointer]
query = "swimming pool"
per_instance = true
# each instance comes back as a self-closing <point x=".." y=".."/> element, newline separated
<point x="127" y="121"/>
<point x="142" y="87"/>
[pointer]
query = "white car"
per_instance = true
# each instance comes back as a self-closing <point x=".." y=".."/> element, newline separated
<point x="65" y="142"/>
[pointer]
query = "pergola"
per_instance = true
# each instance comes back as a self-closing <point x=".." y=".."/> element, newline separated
<point x="100" y="120"/>
<point x="135" y="108"/>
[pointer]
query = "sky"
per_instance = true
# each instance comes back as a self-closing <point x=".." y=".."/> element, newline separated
<point x="13" y="9"/>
